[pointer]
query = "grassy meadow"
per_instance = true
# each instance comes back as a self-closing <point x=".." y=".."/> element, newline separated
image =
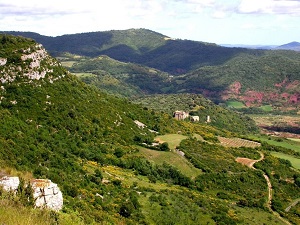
<point x="235" y="104"/>
<point x="173" y="158"/>
<point x="294" y="161"/>
<point x="172" y="139"/>
<point x="286" y="143"/>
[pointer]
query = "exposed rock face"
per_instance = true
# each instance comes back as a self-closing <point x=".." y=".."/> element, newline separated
<point x="10" y="183"/>
<point x="45" y="193"/>
<point x="286" y="93"/>
<point x="3" y="61"/>
<point x="34" y="64"/>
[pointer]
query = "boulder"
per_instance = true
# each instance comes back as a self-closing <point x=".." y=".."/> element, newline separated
<point x="47" y="194"/>
<point x="10" y="183"/>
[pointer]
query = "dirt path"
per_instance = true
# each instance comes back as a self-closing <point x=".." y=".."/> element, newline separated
<point x="269" y="203"/>
<point x="250" y="163"/>
<point x="295" y="202"/>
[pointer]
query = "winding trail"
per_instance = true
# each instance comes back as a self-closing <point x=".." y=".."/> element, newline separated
<point x="295" y="202"/>
<point x="250" y="163"/>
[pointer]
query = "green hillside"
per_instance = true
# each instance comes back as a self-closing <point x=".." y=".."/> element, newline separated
<point x="253" y="77"/>
<point x="197" y="105"/>
<point x="119" y="78"/>
<point x="88" y="142"/>
<point x="141" y="46"/>
<point x="269" y="79"/>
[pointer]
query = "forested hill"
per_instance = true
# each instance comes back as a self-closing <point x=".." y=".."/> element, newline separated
<point x="141" y="46"/>
<point x="273" y="78"/>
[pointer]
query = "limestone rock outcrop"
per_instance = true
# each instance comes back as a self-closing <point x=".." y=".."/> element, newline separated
<point x="9" y="183"/>
<point x="46" y="194"/>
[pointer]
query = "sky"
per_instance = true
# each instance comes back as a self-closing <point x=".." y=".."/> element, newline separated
<point x="249" y="22"/>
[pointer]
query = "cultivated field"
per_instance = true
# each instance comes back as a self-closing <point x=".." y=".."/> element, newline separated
<point x="235" y="104"/>
<point x="286" y="126"/>
<point x="294" y="139"/>
<point x="68" y="63"/>
<point x="286" y="143"/>
<point x="84" y="75"/>
<point x="238" y="142"/>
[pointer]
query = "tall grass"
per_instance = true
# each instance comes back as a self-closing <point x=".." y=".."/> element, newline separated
<point x="12" y="213"/>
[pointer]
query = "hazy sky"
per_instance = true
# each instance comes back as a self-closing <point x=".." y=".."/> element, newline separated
<point x="218" y="21"/>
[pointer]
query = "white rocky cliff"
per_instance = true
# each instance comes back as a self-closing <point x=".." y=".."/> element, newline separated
<point x="45" y="193"/>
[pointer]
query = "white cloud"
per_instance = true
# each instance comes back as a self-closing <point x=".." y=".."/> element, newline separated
<point x="178" y="18"/>
<point x="270" y="7"/>
<point x="219" y="14"/>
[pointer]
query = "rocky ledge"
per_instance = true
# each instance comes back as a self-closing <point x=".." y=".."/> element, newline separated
<point x="46" y="194"/>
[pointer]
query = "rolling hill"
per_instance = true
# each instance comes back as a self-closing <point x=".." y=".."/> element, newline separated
<point x="120" y="78"/>
<point x="295" y="46"/>
<point x="140" y="46"/>
<point x="252" y="77"/>
<point x="273" y="78"/>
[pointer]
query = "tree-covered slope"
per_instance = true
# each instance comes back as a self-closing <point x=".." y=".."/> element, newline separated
<point x="269" y="79"/>
<point x="120" y="78"/>
<point x="52" y="125"/>
<point x="197" y="105"/>
<point x="141" y="46"/>
<point x="130" y="42"/>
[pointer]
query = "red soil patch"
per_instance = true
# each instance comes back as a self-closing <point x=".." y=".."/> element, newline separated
<point x="246" y="161"/>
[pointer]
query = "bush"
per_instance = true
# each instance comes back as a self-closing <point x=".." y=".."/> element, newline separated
<point x="164" y="147"/>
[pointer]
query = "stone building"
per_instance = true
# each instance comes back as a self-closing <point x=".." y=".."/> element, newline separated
<point x="180" y="115"/>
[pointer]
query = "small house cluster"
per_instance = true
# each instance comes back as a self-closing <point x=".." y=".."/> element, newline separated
<point x="181" y="115"/>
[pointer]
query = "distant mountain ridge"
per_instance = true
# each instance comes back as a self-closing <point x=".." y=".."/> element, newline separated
<point x="141" y="46"/>
<point x="249" y="46"/>
<point x="295" y="46"/>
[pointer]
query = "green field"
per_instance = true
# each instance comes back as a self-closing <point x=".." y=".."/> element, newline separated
<point x="173" y="158"/>
<point x="266" y="108"/>
<point x="172" y="139"/>
<point x="235" y="104"/>
<point x="68" y="63"/>
<point x="294" y="161"/>
<point x="84" y="75"/>
<point x="286" y="143"/>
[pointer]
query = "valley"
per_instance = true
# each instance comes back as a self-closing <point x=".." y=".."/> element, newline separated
<point x="98" y="121"/>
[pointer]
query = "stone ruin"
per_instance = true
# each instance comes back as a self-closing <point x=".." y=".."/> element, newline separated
<point x="45" y="193"/>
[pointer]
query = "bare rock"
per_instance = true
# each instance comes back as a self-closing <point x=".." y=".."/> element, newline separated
<point x="47" y="194"/>
<point x="10" y="183"/>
